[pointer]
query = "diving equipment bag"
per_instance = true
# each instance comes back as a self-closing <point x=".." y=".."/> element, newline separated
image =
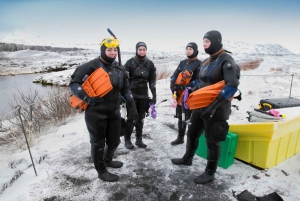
<point x="276" y="103"/>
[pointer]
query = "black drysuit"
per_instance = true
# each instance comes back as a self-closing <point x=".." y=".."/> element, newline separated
<point x="220" y="67"/>
<point x="103" y="120"/>
<point x="141" y="72"/>
<point x="193" y="66"/>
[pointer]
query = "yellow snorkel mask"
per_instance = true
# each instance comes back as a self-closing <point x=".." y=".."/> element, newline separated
<point x="110" y="43"/>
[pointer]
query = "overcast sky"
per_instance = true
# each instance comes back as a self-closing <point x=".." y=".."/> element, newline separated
<point x="159" y="23"/>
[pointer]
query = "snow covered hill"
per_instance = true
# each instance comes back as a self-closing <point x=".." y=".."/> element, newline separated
<point x="12" y="47"/>
<point x="258" y="49"/>
<point x="234" y="47"/>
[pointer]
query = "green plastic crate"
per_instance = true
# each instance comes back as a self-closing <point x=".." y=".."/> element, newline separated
<point x="228" y="148"/>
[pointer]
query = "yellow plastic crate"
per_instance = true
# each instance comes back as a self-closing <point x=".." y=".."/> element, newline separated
<point x="265" y="145"/>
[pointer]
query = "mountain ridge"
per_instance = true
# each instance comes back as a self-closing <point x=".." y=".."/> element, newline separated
<point x="233" y="46"/>
<point x="248" y="48"/>
<point x="13" y="47"/>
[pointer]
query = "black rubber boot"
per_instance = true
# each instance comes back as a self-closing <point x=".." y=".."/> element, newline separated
<point x="204" y="178"/>
<point x="179" y="140"/>
<point x="109" y="152"/>
<point x="139" y="142"/>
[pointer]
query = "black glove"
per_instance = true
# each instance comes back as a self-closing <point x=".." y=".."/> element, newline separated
<point x="172" y="84"/>
<point x="210" y="110"/>
<point x="153" y="100"/>
<point x="133" y="114"/>
<point x="179" y="87"/>
<point x="190" y="90"/>
<point x="94" y="100"/>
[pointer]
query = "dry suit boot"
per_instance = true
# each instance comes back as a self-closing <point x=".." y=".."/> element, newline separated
<point x="139" y="131"/>
<point x="181" y="161"/>
<point x="107" y="176"/>
<point x="114" y="164"/>
<point x="181" y="132"/>
<point x="213" y="155"/>
<point x="108" y="158"/>
<point x="187" y="158"/>
<point x="127" y="136"/>
<point x="128" y="143"/>
<point x="103" y="174"/>
<point x="204" y="178"/>
<point x="179" y="140"/>
<point x="139" y="142"/>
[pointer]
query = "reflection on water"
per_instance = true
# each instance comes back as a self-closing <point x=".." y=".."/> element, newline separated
<point x="10" y="85"/>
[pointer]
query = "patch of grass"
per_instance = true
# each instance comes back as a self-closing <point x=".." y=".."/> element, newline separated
<point x="33" y="116"/>
<point x="250" y="65"/>
<point x="163" y="74"/>
<point x="9" y="183"/>
<point x="276" y="69"/>
<point x="76" y="181"/>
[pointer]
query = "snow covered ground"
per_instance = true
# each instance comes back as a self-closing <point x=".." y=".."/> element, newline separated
<point x="65" y="169"/>
<point x="30" y="61"/>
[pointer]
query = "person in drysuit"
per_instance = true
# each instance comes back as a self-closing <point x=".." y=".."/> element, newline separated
<point x="185" y="75"/>
<point x="102" y="115"/>
<point x="141" y="72"/>
<point x="213" y="118"/>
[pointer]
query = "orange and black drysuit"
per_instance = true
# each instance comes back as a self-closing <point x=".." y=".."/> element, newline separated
<point x="141" y="72"/>
<point x="103" y="118"/>
<point x="212" y="119"/>
<point x="191" y="67"/>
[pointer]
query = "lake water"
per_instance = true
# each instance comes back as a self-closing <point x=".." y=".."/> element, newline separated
<point x="10" y="85"/>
